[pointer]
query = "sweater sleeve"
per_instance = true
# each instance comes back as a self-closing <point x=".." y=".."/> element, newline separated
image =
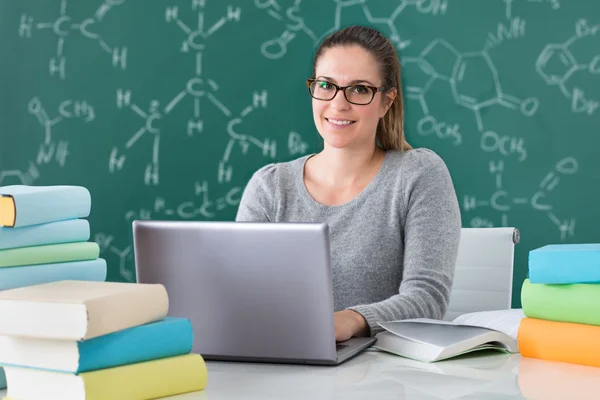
<point x="431" y="235"/>
<point x="256" y="203"/>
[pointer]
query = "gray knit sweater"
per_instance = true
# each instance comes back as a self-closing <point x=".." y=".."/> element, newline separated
<point x="393" y="246"/>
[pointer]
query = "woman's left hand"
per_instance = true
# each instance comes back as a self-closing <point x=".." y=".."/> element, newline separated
<point x="349" y="323"/>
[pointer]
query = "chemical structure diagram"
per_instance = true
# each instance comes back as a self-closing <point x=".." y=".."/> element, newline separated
<point x="501" y="201"/>
<point x="277" y="47"/>
<point x="464" y="76"/>
<point x="557" y="63"/>
<point x="460" y="74"/>
<point x="294" y="24"/>
<point x="202" y="206"/>
<point x="49" y="149"/>
<point x="63" y="26"/>
<point x="197" y="87"/>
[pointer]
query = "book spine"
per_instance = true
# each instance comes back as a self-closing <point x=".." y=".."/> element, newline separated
<point x="68" y="231"/>
<point x="167" y="338"/>
<point x="564" y="267"/>
<point x="15" y="277"/>
<point x="51" y="253"/>
<point x="2" y="379"/>
<point x="61" y="203"/>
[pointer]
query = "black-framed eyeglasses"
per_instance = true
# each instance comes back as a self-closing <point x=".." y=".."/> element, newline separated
<point x="355" y="94"/>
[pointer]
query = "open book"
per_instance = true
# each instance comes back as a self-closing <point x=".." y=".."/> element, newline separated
<point x="432" y="340"/>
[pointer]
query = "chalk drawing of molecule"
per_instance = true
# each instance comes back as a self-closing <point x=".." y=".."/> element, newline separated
<point x="64" y="25"/>
<point x="472" y="76"/>
<point x="557" y="63"/>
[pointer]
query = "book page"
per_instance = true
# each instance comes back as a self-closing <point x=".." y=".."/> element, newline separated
<point x="506" y="321"/>
<point x="440" y="335"/>
<point x="78" y="292"/>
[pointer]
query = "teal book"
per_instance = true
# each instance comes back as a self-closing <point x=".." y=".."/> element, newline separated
<point x="67" y="231"/>
<point x="169" y="337"/>
<point x="28" y="275"/>
<point x="23" y="205"/>
<point x="49" y="253"/>
<point x="2" y="379"/>
<point x="565" y="263"/>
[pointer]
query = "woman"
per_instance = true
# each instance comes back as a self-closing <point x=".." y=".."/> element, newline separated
<point x="392" y="211"/>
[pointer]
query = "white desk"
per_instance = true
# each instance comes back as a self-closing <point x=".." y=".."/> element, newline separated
<point x="378" y="376"/>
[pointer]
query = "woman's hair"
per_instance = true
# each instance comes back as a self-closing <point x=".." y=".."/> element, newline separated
<point x="390" y="129"/>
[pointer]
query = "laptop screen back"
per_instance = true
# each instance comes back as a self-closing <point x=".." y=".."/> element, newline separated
<point x="251" y="290"/>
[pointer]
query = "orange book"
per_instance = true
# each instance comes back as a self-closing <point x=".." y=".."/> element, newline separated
<point x="560" y="341"/>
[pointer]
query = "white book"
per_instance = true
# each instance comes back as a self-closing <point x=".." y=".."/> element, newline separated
<point x="79" y="310"/>
<point x="430" y="340"/>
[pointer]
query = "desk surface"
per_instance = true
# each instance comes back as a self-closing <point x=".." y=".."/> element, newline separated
<point x="376" y="375"/>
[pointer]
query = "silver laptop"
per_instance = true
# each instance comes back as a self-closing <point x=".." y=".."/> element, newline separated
<point x="253" y="291"/>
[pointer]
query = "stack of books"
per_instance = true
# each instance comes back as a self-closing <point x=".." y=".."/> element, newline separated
<point x="561" y="302"/>
<point x="95" y="340"/>
<point x="44" y="237"/>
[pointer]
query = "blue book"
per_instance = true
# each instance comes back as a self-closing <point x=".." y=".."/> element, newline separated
<point x="23" y="205"/>
<point x="565" y="263"/>
<point x="28" y="275"/>
<point x="67" y="231"/>
<point x="169" y="337"/>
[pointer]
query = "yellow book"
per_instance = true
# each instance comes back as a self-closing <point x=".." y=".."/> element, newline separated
<point x="140" y="381"/>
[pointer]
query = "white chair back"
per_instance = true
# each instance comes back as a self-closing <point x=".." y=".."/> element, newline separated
<point x="484" y="271"/>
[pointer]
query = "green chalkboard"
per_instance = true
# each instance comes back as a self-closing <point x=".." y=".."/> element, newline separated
<point x="165" y="109"/>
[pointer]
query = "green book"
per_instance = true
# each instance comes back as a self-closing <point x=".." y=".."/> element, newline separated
<point x="47" y="254"/>
<point x="576" y="303"/>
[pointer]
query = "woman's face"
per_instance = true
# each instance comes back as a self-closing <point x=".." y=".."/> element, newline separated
<point x="342" y="124"/>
